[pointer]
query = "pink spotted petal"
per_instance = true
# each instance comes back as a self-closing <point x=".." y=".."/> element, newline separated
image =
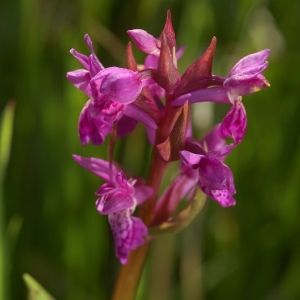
<point x="128" y="233"/>
<point x="224" y="197"/>
<point x="234" y="124"/>
<point x="140" y="230"/>
<point x="214" y="174"/>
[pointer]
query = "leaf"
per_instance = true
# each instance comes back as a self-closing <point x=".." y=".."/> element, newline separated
<point x="183" y="219"/>
<point x="35" y="290"/>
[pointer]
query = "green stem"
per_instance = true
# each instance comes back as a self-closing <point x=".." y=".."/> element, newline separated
<point x="130" y="274"/>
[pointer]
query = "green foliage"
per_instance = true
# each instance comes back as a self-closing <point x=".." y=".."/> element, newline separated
<point x="35" y="290"/>
<point x="250" y="251"/>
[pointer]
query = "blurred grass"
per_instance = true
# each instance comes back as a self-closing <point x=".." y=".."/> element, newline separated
<point x="246" y="252"/>
<point x="6" y="130"/>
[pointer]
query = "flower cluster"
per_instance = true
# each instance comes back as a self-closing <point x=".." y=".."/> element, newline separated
<point x="156" y="95"/>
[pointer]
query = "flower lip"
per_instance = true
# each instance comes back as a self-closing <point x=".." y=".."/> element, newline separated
<point x="213" y="174"/>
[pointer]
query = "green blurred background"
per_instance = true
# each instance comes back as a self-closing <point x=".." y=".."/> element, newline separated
<point x="49" y="225"/>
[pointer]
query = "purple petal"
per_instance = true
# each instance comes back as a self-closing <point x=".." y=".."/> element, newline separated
<point x="180" y="52"/>
<point x="214" y="175"/>
<point x="99" y="167"/>
<point x="250" y="61"/>
<point x="116" y="196"/>
<point x="190" y="159"/>
<point x="120" y="85"/>
<point x="125" y="125"/>
<point x="90" y="63"/>
<point x="212" y="140"/>
<point x="82" y="58"/>
<point x="107" y="111"/>
<point x="80" y="78"/>
<point x="224" y="197"/>
<point x="116" y="201"/>
<point x="157" y="92"/>
<point x="140" y="230"/>
<point x="96" y="121"/>
<point x="151" y="62"/>
<point x="128" y="233"/>
<point x="247" y="75"/>
<point x="248" y="86"/>
<point x="222" y="153"/>
<point x="87" y="129"/>
<point x="234" y="124"/>
<point x="95" y="65"/>
<point x="151" y="134"/>
<point x="144" y="41"/>
<point x="214" y="94"/>
<point x="142" y="193"/>
<point x="138" y="114"/>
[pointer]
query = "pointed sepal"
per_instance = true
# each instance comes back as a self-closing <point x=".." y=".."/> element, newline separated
<point x="168" y="76"/>
<point x="198" y="74"/>
<point x="130" y="59"/>
<point x="169" y="149"/>
<point x="168" y="31"/>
